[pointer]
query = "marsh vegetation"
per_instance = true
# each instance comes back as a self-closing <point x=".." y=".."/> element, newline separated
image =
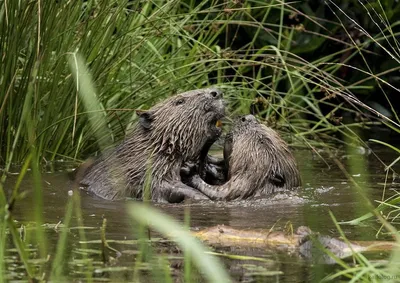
<point x="323" y="74"/>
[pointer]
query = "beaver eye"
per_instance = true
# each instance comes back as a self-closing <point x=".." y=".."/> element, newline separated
<point x="180" y="101"/>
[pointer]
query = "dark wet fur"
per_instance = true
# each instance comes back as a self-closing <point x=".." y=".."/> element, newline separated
<point x="259" y="163"/>
<point x="175" y="131"/>
<point x="211" y="169"/>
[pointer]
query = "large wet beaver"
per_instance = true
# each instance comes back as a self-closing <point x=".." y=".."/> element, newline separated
<point x="177" y="130"/>
<point x="258" y="163"/>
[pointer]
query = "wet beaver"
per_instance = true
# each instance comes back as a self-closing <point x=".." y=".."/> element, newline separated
<point x="177" y="130"/>
<point x="258" y="163"/>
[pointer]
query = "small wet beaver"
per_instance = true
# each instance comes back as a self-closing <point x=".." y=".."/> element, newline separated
<point x="177" y="130"/>
<point x="258" y="163"/>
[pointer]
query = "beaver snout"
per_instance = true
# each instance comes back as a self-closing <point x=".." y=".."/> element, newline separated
<point x="248" y="118"/>
<point x="212" y="93"/>
<point x="217" y="107"/>
<point x="216" y="93"/>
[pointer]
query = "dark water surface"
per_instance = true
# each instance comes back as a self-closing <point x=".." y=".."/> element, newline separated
<point x="324" y="188"/>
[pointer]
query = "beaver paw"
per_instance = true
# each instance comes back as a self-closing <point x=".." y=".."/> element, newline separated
<point x="188" y="169"/>
<point x="195" y="181"/>
<point x="214" y="174"/>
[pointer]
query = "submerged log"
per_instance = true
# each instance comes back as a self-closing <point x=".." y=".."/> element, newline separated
<point x="306" y="243"/>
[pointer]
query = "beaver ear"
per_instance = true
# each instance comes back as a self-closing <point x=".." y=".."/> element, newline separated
<point x="145" y="118"/>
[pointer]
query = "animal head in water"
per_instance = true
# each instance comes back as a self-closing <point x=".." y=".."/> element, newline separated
<point x="261" y="157"/>
<point x="186" y="122"/>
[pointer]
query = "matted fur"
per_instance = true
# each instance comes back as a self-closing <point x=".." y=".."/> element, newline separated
<point x="172" y="132"/>
<point x="259" y="163"/>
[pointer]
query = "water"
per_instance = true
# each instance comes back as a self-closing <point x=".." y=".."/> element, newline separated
<point x="324" y="188"/>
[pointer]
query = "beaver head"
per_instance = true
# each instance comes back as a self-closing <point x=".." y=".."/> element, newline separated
<point x="185" y="123"/>
<point x="258" y="151"/>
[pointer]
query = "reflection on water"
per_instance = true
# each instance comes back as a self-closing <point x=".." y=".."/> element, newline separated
<point x="324" y="188"/>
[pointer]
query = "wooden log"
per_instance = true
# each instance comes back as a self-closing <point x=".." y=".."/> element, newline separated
<point x="303" y="241"/>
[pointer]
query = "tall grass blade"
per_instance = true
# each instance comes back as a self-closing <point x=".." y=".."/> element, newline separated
<point x="86" y="91"/>
<point x="209" y="265"/>
<point x="61" y="256"/>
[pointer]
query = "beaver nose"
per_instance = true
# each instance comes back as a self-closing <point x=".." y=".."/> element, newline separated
<point x="216" y="93"/>
<point x="249" y="118"/>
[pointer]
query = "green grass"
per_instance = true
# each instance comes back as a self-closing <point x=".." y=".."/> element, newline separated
<point x="139" y="53"/>
<point x="72" y="74"/>
<point x="212" y="268"/>
<point x="364" y="269"/>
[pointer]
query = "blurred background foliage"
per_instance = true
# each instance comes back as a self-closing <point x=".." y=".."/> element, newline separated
<point x="311" y="67"/>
